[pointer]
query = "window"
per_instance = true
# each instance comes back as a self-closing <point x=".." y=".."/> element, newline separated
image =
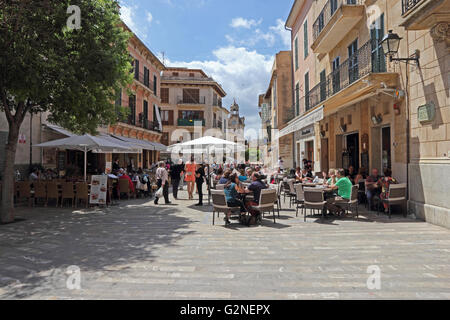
<point x="145" y="110"/>
<point x="349" y="119"/>
<point x="191" y="96"/>
<point x="165" y="95"/>
<point x="296" y="53"/>
<point x="146" y="77"/>
<point x="297" y="99"/>
<point x="136" y="69"/>
<point x="155" y="85"/>
<point x="376" y="35"/>
<point x="132" y="106"/>
<point x="323" y="86"/>
<point x="353" y="70"/>
<point x="307" y="106"/>
<point x="305" y="38"/>
<point x="165" y="138"/>
<point x="333" y="7"/>
<point x="336" y="75"/>
<point x="167" y="117"/>
<point x="175" y="74"/>
<point x="274" y="89"/>
<point x="190" y="115"/>
<point x="119" y="99"/>
<point x="192" y="75"/>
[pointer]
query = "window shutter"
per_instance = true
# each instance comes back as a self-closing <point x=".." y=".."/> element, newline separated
<point x="305" y="37"/>
<point x="171" y="117"/>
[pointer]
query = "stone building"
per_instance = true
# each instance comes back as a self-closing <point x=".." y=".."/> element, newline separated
<point x="235" y="131"/>
<point x="191" y="106"/>
<point x="365" y="110"/>
<point x="278" y="98"/>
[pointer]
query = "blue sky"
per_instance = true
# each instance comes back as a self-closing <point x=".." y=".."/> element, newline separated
<point x="232" y="41"/>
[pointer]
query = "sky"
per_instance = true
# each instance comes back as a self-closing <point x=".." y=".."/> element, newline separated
<point x="233" y="41"/>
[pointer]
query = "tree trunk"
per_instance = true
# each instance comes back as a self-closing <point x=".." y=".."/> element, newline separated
<point x="7" y="203"/>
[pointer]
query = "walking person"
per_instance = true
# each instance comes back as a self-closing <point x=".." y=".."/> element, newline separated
<point x="199" y="179"/>
<point x="189" y="177"/>
<point x="175" y="175"/>
<point x="162" y="178"/>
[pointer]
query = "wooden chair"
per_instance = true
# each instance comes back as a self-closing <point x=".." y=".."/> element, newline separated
<point x="219" y="202"/>
<point x="82" y="193"/>
<point x="24" y="191"/>
<point x="52" y="192"/>
<point x="267" y="202"/>
<point x="300" y="198"/>
<point x="314" y="200"/>
<point x="40" y="191"/>
<point x="124" y="187"/>
<point x="397" y="196"/>
<point x="67" y="193"/>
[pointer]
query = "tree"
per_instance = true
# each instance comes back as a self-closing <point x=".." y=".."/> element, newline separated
<point x="45" y="65"/>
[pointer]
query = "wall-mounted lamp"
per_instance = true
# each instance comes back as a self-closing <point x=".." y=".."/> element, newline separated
<point x="391" y="43"/>
<point x="322" y="134"/>
<point x="376" y="120"/>
<point x="343" y="128"/>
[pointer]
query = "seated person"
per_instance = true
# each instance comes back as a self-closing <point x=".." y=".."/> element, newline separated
<point x="226" y="177"/>
<point x="360" y="176"/>
<point x="332" y="177"/>
<point x="123" y="175"/>
<point x="256" y="186"/>
<point x="385" y="183"/>
<point x="351" y="173"/>
<point x="372" y="187"/>
<point x="218" y="175"/>
<point x="343" y="186"/>
<point x="298" y="174"/>
<point x="232" y="191"/>
<point x="242" y="176"/>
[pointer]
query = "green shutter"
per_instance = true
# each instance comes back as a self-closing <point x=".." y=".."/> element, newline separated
<point x="305" y="37"/>
<point x="296" y="53"/>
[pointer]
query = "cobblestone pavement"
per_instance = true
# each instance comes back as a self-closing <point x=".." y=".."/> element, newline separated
<point x="138" y="251"/>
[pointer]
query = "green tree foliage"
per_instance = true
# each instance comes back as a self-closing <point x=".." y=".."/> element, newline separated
<point x="72" y="73"/>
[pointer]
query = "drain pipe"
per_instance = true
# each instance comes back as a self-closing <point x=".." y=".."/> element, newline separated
<point x="292" y="97"/>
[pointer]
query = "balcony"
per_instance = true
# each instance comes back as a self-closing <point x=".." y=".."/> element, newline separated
<point x="359" y="74"/>
<point x="424" y="14"/>
<point x="142" y="79"/>
<point x="334" y="21"/>
<point x="151" y="125"/>
<point x="191" y="101"/>
<point x="190" y="122"/>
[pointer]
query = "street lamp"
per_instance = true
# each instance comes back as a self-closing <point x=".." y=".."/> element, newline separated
<point x="391" y="43"/>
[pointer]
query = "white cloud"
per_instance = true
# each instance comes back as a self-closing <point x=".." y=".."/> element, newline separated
<point x="243" y="74"/>
<point x="149" y="17"/>
<point x="244" y="23"/>
<point x="282" y="32"/>
<point x="127" y="14"/>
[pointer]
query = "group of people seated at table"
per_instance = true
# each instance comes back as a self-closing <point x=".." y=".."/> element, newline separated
<point x="235" y="191"/>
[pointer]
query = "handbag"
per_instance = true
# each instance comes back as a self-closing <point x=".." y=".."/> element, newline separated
<point x="159" y="193"/>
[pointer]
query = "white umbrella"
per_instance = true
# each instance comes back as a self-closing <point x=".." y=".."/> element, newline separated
<point x="85" y="143"/>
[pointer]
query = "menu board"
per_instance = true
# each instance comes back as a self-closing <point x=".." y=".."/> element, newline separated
<point x="99" y="186"/>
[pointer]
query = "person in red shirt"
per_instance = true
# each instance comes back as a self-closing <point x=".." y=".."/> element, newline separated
<point x="123" y="175"/>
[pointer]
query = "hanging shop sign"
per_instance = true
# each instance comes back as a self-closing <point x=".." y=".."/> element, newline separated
<point x="302" y="122"/>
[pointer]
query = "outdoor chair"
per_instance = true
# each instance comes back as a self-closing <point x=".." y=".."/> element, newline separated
<point x="277" y="188"/>
<point x="287" y="192"/>
<point x="24" y="189"/>
<point x="219" y="202"/>
<point x="267" y="202"/>
<point x="314" y="200"/>
<point x="220" y="187"/>
<point x="300" y="198"/>
<point x="397" y="196"/>
<point x="352" y="203"/>
<point x="124" y="187"/>
<point x="40" y="191"/>
<point x="52" y="192"/>
<point x="82" y="193"/>
<point x="67" y="193"/>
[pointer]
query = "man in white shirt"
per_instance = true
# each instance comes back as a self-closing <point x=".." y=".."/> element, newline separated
<point x="281" y="164"/>
<point x="162" y="177"/>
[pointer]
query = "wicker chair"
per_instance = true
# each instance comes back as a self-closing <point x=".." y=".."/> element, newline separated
<point x="220" y="204"/>
<point x="352" y="203"/>
<point x="82" y="190"/>
<point x="67" y="193"/>
<point x="314" y="200"/>
<point x="124" y="187"/>
<point x="52" y="192"/>
<point x="267" y="202"/>
<point x="397" y="196"/>
<point x="300" y="198"/>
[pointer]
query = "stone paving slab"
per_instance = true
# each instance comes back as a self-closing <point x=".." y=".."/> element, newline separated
<point x="141" y="251"/>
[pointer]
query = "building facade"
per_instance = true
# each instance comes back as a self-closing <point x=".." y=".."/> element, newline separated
<point x="235" y="131"/>
<point x="278" y="97"/>
<point x="143" y="126"/>
<point x="191" y="106"/>
<point x="359" y="108"/>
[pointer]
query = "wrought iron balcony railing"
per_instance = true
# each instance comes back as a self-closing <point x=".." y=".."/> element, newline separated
<point x="327" y="13"/>
<point x="144" y="80"/>
<point x="408" y="5"/>
<point x="190" y="100"/>
<point x="368" y="59"/>
<point x="190" y="122"/>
